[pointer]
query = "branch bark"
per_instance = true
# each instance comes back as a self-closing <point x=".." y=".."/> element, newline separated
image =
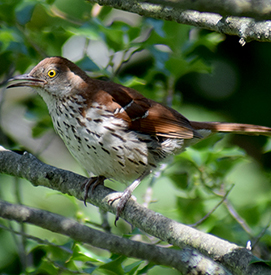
<point x="249" y="8"/>
<point x="248" y="29"/>
<point x="236" y="259"/>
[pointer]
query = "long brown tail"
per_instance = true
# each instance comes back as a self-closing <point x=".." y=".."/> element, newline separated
<point x="237" y="128"/>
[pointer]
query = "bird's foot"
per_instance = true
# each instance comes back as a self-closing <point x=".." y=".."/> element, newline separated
<point x="94" y="182"/>
<point x="123" y="198"/>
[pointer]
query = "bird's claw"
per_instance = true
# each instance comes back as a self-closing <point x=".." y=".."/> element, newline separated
<point x="94" y="182"/>
<point x="123" y="198"/>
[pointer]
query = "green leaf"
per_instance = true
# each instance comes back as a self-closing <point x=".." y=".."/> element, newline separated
<point x="41" y="127"/>
<point x="131" y="269"/>
<point x="255" y="260"/>
<point x="145" y="269"/>
<point x="180" y="179"/>
<point x="191" y="209"/>
<point x="133" y="82"/>
<point x="50" y="2"/>
<point x="160" y="58"/>
<point x="157" y="26"/>
<point x="90" y="31"/>
<point x="87" y="64"/>
<point x="80" y="253"/>
<point x="6" y="38"/>
<point x="24" y="12"/>
<point x="115" y="266"/>
<point x="267" y="147"/>
<point x="46" y="268"/>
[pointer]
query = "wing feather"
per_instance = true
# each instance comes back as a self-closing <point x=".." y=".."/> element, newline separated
<point x="147" y="116"/>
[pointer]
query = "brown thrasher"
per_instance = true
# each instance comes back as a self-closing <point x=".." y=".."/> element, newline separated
<point x="114" y="131"/>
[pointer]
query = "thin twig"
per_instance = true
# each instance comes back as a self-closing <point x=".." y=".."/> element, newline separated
<point x="261" y="234"/>
<point x="213" y="210"/>
<point x="36" y="239"/>
<point x="21" y="250"/>
<point x="105" y="223"/>
<point x="22" y="242"/>
<point x="148" y="194"/>
<point x="237" y="217"/>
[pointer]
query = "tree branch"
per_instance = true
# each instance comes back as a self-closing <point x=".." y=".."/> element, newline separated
<point x="234" y="258"/>
<point x="181" y="260"/>
<point x="246" y="28"/>
<point x="250" y="8"/>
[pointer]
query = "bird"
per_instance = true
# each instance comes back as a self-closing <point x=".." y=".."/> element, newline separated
<point x="113" y="131"/>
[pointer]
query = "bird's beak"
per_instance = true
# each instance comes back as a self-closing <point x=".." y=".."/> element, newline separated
<point x="26" y="80"/>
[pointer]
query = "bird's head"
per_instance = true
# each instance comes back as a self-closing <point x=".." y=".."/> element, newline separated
<point x="53" y="77"/>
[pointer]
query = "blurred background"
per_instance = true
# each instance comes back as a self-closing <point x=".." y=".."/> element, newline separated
<point x="204" y="75"/>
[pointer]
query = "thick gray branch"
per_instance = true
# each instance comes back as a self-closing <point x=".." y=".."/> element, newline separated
<point x="234" y="258"/>
<point x="246" y="28"/>
<point x="249" y="8"/>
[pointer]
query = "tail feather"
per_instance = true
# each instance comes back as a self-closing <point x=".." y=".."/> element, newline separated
<point x="237" y="128"/>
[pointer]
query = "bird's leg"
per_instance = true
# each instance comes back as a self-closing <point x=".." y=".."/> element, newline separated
<point x="94" y="182"/>
<point x="126" y="195"/>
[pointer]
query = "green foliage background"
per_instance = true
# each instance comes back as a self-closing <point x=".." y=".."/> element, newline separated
<point x="203" y="75"/>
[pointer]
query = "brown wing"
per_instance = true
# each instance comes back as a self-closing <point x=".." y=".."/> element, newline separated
<point x="145" y="115"/>
<point x="162" y="121"/>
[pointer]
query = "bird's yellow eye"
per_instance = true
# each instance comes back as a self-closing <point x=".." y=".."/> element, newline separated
<point x="52" y="73"/>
